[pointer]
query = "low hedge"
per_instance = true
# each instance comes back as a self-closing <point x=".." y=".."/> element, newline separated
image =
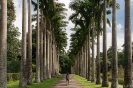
<point x="15" y="76"/>
<point x="12" y="77"/>
<point x="120" y="80"/>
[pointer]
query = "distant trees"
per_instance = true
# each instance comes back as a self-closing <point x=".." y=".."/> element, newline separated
<point x="13" y="43"/>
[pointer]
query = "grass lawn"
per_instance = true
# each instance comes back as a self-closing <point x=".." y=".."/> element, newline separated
<point x="45" y="84"/>
<point x="88" y="84"/>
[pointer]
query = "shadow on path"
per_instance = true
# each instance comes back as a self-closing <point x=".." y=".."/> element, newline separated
<point x="62" y="83"/>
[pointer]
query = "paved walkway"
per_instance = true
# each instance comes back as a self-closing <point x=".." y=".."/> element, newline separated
<point x="62" y="83"/>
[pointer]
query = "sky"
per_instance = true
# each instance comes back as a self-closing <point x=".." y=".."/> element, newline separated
<point x="119" y="18"/>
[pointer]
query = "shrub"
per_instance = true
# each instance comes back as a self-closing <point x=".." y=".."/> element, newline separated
<point x="121" y="81"/>
<point x="12" y="76"/>
<point x="15" y="76"/>
<point x="110" y="79"/>
<point x="9" y="77"/>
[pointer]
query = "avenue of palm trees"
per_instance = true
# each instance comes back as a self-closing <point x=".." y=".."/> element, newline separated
<point x="90" y="19"/>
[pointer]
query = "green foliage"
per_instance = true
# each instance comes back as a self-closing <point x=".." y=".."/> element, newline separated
<point x="121" y="59"/>
<point x="33" y="68"/>
<point x="13" y="66"/>
<point x="120" y="55"/>
<point x="10" y="13"/>
<point x="13" y="43"/>
<point x="54" y="17"/>
<point x="64" y="63"/>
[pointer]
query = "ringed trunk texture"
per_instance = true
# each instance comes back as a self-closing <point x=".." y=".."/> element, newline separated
<point x="23" y="73"/>
<point x="37" y="78"/>
<point x="89" y="74"/>
<point x="50" y="64"/>
<point x="114" y="48"/>
<point x="87" y="58"/>
<point x="48" y="73"/>
<point x="105" y="66"/>
<point x="128" y="48"/>
<point x="3" y="44"/>
<point x="98" y="59"/>
<point x="29" y="59"/>
<point x="41" y="49"/>
<point x="93" y="59"/>
<point x="44" y="51"/>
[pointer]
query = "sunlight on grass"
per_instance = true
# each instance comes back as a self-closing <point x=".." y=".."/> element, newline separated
<point x="45" y="84"/>
<point x="88" y="84"/>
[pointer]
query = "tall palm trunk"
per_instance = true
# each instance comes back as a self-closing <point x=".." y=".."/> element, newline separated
<point x="114" y="49"/>
<point x="98" y="44"/>
<point x="41" y="48"/>
<point x="93" y="59"/>
<point x="37" y="78"/>
<point x="23" y="73"/>
<point x="105" y="66"/>
<point x="3" y="43"/>
<point x="45" y="74"/>
<point x="89" y="74"/>
<point x="84" y="61"/>
<point x="58" y="53"/>
<point x="87" y="58"/>
<point x="128" y="47"/>
<point x="50" y="64"/>
<point x="79" y="63"/>
<point x="98" y="56"/>
<point x="53" y="71"/>
<point x="29" y="59"/>
<point x="56" y="64"/>
<point x="48" y="75"/>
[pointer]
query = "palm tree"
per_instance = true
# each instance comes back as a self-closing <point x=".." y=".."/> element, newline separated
<point x="105" y="70"/>
<point x="79" y="8"/>
<point x="23" y="73"/>
<point x="29" y="59"/>
<point x="93" y="61"/>
<point x="41" y="49"/>
<point x="3" y="43"/>
<point x="128" y="48"/>
<point x="98" y="57"/>
<point x="37" y="78"/>
<point x="114" y="49"/>
<point x="45" y="75"/>
<point x="89" y="72"/>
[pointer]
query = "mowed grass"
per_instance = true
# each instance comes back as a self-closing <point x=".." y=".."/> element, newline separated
<point x="88" y="84"/>
<point x="45" y="84"/>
